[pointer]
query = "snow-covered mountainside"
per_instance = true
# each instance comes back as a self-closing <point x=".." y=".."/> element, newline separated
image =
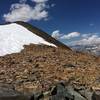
<point x="14" y="36"/>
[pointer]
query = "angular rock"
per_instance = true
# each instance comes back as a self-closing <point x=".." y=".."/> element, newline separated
<point x="60" y="93"/>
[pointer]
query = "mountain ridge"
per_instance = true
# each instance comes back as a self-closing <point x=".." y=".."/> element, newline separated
<point x="43" y="34"/>
<point x="17" y="34"/>
<point x="40" y="33"/>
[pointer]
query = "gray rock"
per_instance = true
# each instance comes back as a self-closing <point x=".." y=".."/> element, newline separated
<point x="8" y="93"/>
<point x="83" y="91"/>
<point x="96" y="95"/>
<point x="60" y="93"/>
<point x="76" y="95"/>
<point x="86" y="93"/>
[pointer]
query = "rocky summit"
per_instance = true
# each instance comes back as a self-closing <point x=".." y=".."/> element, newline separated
<point x="38" y="67"/>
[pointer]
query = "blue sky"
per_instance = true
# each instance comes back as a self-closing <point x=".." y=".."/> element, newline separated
<point x="63" y="17"/>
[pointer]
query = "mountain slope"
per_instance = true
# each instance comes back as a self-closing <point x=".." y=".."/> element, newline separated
<point x="43" y="34"/>
<point x="39" y="67"/>
<point x="14" y="36"/>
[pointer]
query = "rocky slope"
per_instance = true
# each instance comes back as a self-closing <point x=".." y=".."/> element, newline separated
<point x="38" y="68"/>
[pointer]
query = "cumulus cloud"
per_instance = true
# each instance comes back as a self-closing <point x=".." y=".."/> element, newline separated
<point x="71" y="35"/>
<point x="87" y="39"/>
<point x="91" y="40"/>
<point x="24" y="12"/>
<point x="56" y="34"/>
<point x="83" y="39"/>
<point x="52" y="5"/>
<point x="39" y="1"/>
<point x="86" y="35"/>
<point x="22" y="1"/>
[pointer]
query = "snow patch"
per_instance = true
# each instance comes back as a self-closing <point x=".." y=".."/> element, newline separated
<point x="14" y="36"/>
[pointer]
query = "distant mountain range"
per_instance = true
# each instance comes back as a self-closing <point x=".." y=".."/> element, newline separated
<point x="94" y="49"/>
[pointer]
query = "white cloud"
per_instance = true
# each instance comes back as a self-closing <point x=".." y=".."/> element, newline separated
<point x="39" y="1"/>
<point x="71" y="35"/>
<point x="83" y="39"/>
<point x="22" y="1"/>
<point x="86" y="35"/>
<point x="92" y="40"/>
<point x="53" y="5"/>
<point x="56" y="34"/>
<point x="24" y="12"/>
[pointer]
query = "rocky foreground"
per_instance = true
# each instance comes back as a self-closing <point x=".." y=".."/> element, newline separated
<point x="47" y="73"/>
